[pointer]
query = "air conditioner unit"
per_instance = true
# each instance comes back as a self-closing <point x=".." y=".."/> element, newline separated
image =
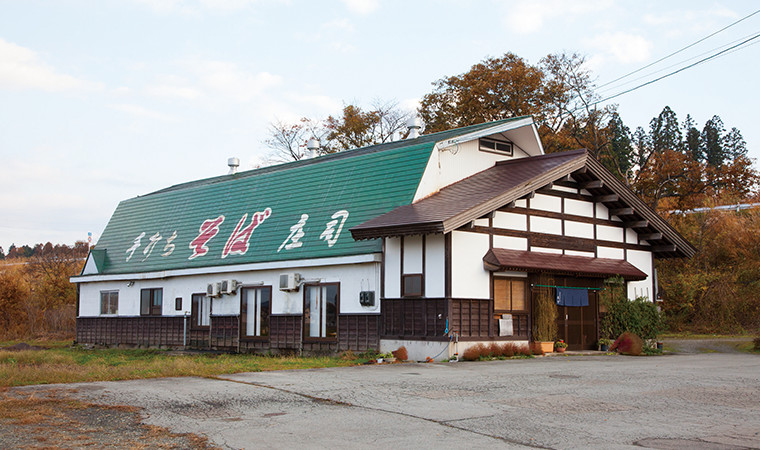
<point x="229" y="287"/>
<point x="212" y="290"/>
<point x="289" y="281"/>
<point x="367" y="298"/>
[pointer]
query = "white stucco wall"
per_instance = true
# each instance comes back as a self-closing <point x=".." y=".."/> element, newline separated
<point x="510" y="221"/>
<point x="353" y="278"/>
<point x="468" y="277"/>
<point x="510" y="243"/>
<point x="546" y="203"/>
<point x="412" y="254"/>
<point x="393" y="268"/>
<point x="643" y="261"/>
<point x="435" y="265"/>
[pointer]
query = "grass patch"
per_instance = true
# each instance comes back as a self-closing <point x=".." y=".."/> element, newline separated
<point x="74" y="364"/>
<point x="688" y="335"/>
<point x="748" y="347"/>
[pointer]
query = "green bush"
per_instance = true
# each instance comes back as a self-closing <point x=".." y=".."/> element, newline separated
<point x="639" y="316"/>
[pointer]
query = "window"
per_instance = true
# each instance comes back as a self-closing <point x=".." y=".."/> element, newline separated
<point x="411" y="285"/>
<point x="109" y="302"/>
<point x="178" y="304"/>
<point x="151" y="301"/>
<point x="320" y="310"/>
<point x="255" y="307"/>
<point x="200" y="312"/>
<point x="508" y="295"/>
<point x="494" y="146"/>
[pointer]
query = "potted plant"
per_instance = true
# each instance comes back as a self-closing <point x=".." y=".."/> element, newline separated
<point x="560" y="346"/>
<point x="604" y="344"/>
<point x="544" y="314"/>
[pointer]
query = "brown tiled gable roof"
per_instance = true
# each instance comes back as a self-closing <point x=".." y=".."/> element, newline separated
<point x="499" y="259"/>
<point x="480" y="194"/>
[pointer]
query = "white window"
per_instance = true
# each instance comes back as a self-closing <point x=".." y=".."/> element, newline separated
<point x="255" y="306"/>
<point x="200" y="312"/>
<point x="109" y="302"/>
<point x="494" y="146"/>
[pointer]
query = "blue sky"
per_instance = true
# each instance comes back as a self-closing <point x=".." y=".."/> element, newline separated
<point x="103" y="101"/>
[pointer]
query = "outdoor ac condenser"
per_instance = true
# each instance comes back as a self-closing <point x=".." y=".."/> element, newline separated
<point x="289" y="281"/>
<point x="229" y="287"/>
<point x="212" y="290"/>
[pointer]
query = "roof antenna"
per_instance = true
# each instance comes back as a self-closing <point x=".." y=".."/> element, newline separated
<point x="234" y="163"/>
<point x="414" y="125"/>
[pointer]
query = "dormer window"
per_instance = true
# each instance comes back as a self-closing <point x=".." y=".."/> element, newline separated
<point x="494" y="146"/>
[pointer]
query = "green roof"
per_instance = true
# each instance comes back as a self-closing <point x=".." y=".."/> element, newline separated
<point x="254" y="216"/>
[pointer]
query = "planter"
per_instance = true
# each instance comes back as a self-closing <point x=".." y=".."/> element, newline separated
<point x="604" y="347"/>
<point x="659" y="346"/>
<point x="560" y="349"/>
<point x="546" y="347"/>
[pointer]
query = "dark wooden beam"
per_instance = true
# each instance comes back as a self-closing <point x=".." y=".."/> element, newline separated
<point x="531" y="194"/>
<point x="650" y="237"/>
<point x="487" y="216"/>
<point x="582" y="170"/>
<point x="621" y="212"/>
<point x="637" y="224"/>
<point x="607" y="198"/>
<point x="593" y="184"/>
<point x="663" y="248"/>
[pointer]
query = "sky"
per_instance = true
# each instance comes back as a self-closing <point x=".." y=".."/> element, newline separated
<point x="104" y="101"/>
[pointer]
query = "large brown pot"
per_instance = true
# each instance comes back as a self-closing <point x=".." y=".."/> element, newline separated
<point x="547" y="347"/>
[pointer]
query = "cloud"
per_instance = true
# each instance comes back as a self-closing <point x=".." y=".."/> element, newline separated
<point x="172" y="91"/>
<point x="529" y="17"/>
<point x="339" y="25"/>
<point x="362" y="6"/>
<point x="624" y="47"/>
<point x="231" y="80"/>
<point x="139" y="111"/>
<point x="20" y="68"/>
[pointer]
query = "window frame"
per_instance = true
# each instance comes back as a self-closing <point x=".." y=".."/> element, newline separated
<point x="257" y="315"/>
<point x="194" y="299"/>
<point x="496" y="142"/>
<point x="404" y="292"/>
<point x="525" y="296"/>
<point x="304" y="323"/>
<point x="109" y="292"/>
<point x="153" y="308"/>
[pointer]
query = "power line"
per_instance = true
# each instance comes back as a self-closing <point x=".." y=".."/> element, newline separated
<point x="682" y="62"/>
<point x="684" y="48"/>
<point x="677" y="71"/>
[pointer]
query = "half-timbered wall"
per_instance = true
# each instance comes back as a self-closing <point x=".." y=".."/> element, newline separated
<point x="557" y="220"/>
<point x="409" y="255"/>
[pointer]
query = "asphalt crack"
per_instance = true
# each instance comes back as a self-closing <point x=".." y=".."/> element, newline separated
<point x="330" y="401"/>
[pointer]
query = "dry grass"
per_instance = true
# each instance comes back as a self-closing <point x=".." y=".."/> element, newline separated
<point x="69" y="365"/>
<point x="53" y="419"/>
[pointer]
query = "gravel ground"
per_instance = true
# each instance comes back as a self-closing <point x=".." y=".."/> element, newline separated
<point x="701" y="401"/>
<point x="713" y="345"/>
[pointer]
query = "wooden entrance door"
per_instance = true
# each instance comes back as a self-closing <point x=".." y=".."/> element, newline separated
<point x="577" y="325"/>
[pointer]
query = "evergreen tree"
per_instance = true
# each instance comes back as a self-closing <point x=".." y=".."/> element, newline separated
<point x="618" y="155"/>
<point x="642" y="147"/>
<point x="712" y="142"/>
<point x="665" y="134"/>
<point x="691" y="144"/>
<point x="734" y="145"/>
<point x="2" y="254"/>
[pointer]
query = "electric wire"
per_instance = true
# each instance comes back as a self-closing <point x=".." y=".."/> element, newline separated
<point x="682" y="49"/>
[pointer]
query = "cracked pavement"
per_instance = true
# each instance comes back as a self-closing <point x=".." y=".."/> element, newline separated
<point x="678" y="401"/>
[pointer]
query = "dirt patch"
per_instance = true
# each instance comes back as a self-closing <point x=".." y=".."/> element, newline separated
<point x="22" y="347"/>
<point x="55" y="419"/>
<point x="717" y="345"/>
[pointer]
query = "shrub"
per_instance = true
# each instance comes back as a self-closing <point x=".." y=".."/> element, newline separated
<point x="474" y="352"/>
<point x="508" y="349"/>
<point x="756" y="342"/>
<point x="401" y="354"/>
<point x="523" y="350"/>
<point x="628" y="344"/>
<point x="494" y="350"/>
<point x="639" y="316"/>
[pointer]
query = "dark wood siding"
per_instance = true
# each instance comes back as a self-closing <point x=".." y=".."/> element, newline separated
<point x="414" y="319"/>
<point x="158" y="331"/>
<point x="285" y="332"/>
<point x="358" y="332"/>
<point x="224" y="332"/>
<point x="472" y="318"/>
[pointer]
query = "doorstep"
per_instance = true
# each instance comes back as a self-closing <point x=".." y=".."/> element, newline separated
<point x="578" y="353"/>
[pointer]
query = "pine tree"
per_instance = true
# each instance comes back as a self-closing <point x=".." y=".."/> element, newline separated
<point x="691" y="144"/>
<point x="734" y="144"/>
<point x="712" y="142"/>
<point x="665" y="134"/>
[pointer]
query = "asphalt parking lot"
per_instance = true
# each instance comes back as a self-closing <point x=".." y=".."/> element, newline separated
<point x="679" y="401"/>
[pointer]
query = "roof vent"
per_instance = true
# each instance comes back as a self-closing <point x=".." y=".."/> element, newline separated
<point x="312" y="145"/>
<point x="234" y="163"/>
<point x="414" y="125"/>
